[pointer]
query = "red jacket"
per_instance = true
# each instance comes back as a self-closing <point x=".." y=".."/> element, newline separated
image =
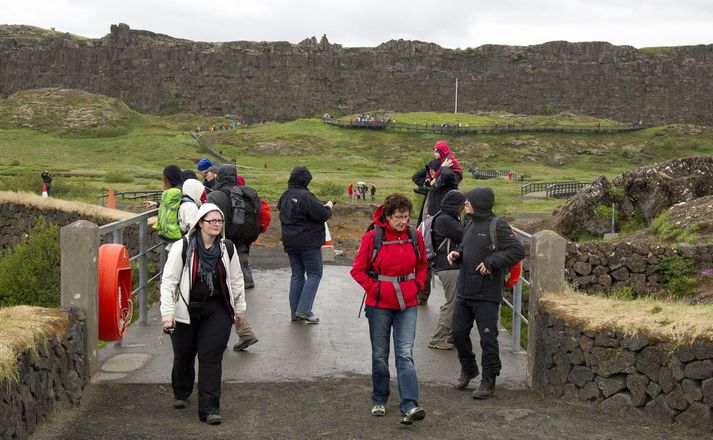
<point x="393" y="260"/>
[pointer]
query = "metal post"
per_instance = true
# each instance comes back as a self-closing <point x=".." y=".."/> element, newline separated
<point x="143" y="261"/>
<point x="118" y="236"/>
<point x="613" y="217"/>
<point x="516" y="312"/>
<point x="456" y="106"/>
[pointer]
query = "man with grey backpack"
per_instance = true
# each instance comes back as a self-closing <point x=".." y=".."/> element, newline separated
<point x="446" y="234"/>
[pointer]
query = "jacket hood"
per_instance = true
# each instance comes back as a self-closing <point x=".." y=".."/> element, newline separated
<point x="452" y="202"/>
<point x="174" y="175"/>
<point x="226" y="177"/>
<point x="380" y="219"/>
<point x="202" y="211"/>
<point x="194" y="189"/>
<point x="442" y="148"/>
<point x="300" y="176"/>
<point x="482" y="199"/>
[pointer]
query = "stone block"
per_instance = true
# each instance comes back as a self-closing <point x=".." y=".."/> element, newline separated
<point x="604" y="281"/>
<point x="604" y="341"/>
<point x="606" y="362"/>
<point x="582" y="268"/>
<point x="666" y="380"/>
<point x="699" y="370"/>
<point x="618" y="403"/>
<point x="698" y="415"/>
<point x="590" y="392"/>
<point x="691" y="390"/>
<point x="620" y="274"/>
<point x="569" y="393"/>
<point x="637" y="385"/>
<point x="634" y="342"/>
<point x="611" y="385"/>
<point x="600" y="270"/>
<point x="653" y="389"/>
<point x="703" y="349"/>
<point x="676" y="367"/>
<point x="685" y="353"/>
<point x="659" y="412"/>
<point x="707" y="391"/>
<point x="677" y="400"/>
<point x="636" y="263"/>
<point x="576" y="357"/>
<point x="586" y="343"/>
<point x="580" y="375"/>
<point x="649" y="360"/>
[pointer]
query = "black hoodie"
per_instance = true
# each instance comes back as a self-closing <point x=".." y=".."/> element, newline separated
<point x="475" y="249"/>
<point x="447" y="181"/>
<point x="225" y="179"/>
<point x="447" y="226"/>
<point x="302" y="215"/>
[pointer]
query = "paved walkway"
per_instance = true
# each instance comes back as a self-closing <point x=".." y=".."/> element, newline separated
<point x="312" y="381"/>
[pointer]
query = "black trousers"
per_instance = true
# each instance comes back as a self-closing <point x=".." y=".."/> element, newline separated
<point x="206" y="335"/>
<point x="485" y="315"/>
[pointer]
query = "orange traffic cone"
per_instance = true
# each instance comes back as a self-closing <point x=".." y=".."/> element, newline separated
<point x="256" y="242"/>
<point x="110" y="200"/>
<point x="44" y="190"/>
<point x="328" y="251"/>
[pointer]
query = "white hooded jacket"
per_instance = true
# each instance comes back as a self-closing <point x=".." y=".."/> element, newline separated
<point x="177" y="276"/>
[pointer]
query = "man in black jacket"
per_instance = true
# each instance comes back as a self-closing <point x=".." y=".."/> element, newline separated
<point x="226" y="178"/>
<point x="447" y="232"/>
<point x="480" y="288"/>
<point x="302" y="218"/>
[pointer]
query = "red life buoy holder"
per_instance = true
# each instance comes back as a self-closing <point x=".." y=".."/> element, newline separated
<point x="115" y="305"/>
<point x="514" y="275"/>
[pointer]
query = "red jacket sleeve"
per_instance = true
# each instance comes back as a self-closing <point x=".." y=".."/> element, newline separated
<point x="265" y="216"/>
<point x="362" y="263"/>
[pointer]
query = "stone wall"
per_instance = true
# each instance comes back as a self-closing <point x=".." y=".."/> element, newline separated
<point x="624" y="374"/>
<point x="279" y="80"/>
<point x="17" y="219"/>
<point x="54" y="375"/>
<point x="604" y="267"/>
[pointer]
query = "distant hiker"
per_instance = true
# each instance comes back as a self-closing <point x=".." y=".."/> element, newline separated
<point x="373" y="193"/>
<point x="202" y="295"/>
<point x="446" y="234"/>
<point x="204" y="170"/>
<point x="483" y="265"/>
<point x="47" y="180"/>
<point x="391" y="268"/>
<point x="350" y="190"/>
<point x="242" y="209"/>
<point x="302" y="218"/>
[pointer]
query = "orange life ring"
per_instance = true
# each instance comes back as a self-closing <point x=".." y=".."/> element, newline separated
<point x="514" y="275"/>
<point x="115" y="305"/>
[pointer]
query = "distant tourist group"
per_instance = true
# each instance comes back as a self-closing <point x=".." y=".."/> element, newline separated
<point x="459" y="240"/>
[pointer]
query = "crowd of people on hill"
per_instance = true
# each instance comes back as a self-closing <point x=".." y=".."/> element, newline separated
<point x="235" y="123"/>
<point x="367" y="118"/>
<point x="209" y="227"/>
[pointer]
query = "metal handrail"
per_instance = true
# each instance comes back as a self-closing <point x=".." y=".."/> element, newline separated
<point x="544" y="186"/>
<point x="116" y="228"/>
<point x="516" y="306"/>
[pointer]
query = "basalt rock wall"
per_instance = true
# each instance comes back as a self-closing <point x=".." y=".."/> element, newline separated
<point x="279" y="80"/>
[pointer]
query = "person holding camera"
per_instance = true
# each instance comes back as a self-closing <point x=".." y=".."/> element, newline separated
<point x="302" y="217"/>
<point x="202" y="296"/>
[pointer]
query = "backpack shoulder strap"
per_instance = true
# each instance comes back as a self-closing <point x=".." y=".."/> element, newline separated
<point x="414" y="240"/>
<point x="184" y="249"/>
<point x="378" y="239"/>
<point x="230" y="247"/>
<point x="493" y="233"/>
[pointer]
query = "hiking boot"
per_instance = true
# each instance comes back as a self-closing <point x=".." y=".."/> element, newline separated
<point x="180" y="403"/>
<point x="250" y="285"/>
<point x="464" y="379"/>
<point x="486" y="388"/>
<point x="413" y="415"/>
<point x="378" y="410"/>
<point x="441" y="345"/>
<point x="213" y="419"/>
<point x="307" y="319"/>
<point x="245" y="342"/>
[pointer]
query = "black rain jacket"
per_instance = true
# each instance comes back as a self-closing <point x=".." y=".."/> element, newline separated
<point x="446" y="226"/>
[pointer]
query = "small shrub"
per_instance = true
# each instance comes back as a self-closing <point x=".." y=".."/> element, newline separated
<point x="667" y="231"/>
<point x="549" y="108"/>
<point x="623" y="294"/>
<point x="30" y="271"/>
<point x="117" y="176"/>
<point x="329" y="190"/>
<point x="14" y="163"/>
<point x="655" y="310"/>
<point x="605" y="212"/>
<point x="677" y="275"/>
<point x="616" y="192"/>
<point x="637" y="223"/>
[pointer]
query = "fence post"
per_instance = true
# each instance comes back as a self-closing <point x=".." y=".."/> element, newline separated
<point x="547" y="259"/>
<point x="79" y="272"/>
<point x="143" y="262"/>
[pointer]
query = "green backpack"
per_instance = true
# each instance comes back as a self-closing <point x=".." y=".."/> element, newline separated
<point x="167" y="222"/>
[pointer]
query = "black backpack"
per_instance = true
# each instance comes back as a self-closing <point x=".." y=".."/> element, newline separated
<point x="245" y="222"/>
<point x="379" y="239"/>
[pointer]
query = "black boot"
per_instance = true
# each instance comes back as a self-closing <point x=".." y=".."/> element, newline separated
<point x="464" y="379"/>
<point x="486" y="388"/>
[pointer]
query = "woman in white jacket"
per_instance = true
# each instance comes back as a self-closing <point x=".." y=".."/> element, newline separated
<point x="202" y="295"/>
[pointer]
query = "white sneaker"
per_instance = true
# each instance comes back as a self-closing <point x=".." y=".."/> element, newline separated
<point x="378" y="410"/>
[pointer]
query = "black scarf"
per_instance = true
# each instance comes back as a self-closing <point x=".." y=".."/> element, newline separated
<point x="207" y="259"/>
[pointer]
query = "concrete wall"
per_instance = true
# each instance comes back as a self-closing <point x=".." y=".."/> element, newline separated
<point x="619" y="373"/>
<point x="279" y="80"/>
<point x="53" y="376"/>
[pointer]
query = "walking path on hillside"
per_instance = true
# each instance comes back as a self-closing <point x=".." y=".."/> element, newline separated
<point x="305" y="381"/>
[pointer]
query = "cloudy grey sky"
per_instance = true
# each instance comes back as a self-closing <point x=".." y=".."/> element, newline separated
<point x="450" y="23"/>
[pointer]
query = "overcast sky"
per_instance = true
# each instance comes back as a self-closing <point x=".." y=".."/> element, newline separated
<point x="449" y="23"/>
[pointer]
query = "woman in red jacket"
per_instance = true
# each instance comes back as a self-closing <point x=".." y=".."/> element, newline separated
<point x="391" y="267"/>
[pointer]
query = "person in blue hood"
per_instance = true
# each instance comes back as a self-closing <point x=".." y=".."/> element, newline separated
<point x="479" y="291"/>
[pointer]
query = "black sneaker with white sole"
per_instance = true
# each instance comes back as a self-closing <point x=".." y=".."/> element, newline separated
<point x="413" y="415"/>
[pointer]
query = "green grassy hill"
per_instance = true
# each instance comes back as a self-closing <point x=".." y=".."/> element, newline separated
<point x="108" y="142"/>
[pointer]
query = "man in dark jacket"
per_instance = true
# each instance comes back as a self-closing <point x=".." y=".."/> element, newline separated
<point x="447" y="232"/>
<point x="480" y="288"/>
<point x="226" y="178"/>
<point x="302" y="218"/>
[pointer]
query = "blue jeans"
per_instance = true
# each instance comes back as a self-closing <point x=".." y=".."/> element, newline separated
<point x="302" y="292"/>
<point x="403" y="323"/>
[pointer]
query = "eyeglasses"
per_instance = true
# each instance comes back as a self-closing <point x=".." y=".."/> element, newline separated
<point x="215" y="222"/>
<point x="400" y="217"/>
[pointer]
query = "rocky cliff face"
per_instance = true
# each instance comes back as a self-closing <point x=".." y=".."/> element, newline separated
<point x="279" y="80"/>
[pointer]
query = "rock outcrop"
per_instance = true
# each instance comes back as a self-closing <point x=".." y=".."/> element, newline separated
<point x="279" y="80"/>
